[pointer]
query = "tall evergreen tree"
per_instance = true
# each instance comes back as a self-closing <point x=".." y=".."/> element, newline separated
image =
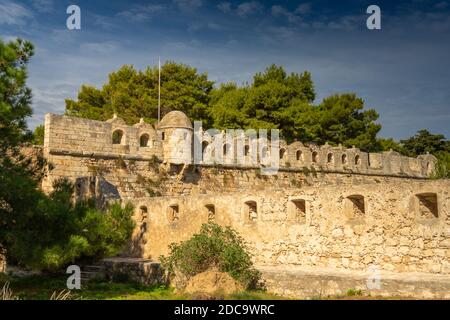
<point x="133" y="94"/>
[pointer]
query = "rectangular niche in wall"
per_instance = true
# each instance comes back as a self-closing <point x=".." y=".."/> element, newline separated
<point x="251" y="211"/>
<point x="297" y="210"/>
<point x="355" y="207"/>
<point x="210" y="212"/>
<point x="173" y="213"/>
<point x="427" y="205"/>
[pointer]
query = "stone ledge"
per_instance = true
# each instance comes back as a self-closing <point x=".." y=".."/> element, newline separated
<point x="139" y="270"/>
<point x="309" y="283"/>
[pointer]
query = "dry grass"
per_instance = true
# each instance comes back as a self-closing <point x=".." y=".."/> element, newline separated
<point x="7" y="294"/>
<point x="62" y="295"/>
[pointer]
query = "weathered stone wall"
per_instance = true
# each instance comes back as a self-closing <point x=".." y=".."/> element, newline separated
<point x="327" y="207"/>
<point x="393" y="225"/>
<point x="70" y="136"/>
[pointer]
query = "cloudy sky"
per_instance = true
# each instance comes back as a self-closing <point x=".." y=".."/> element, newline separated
<point x="402" y="71"/>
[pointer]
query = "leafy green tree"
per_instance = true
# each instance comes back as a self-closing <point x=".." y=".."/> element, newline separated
<point x="263" y="103"/>
<point x="38" y="135"/>
<point x="52" y="231"/>
<point x="275" y="100"/>
<point x="424" y="142"/>
<point x="133" y="94"/>
<point x="387" y="144"/>
<point x="443" y="165"/>
<point x="343" y="120"/>
<point x="15" y="96"/>
<point x="38" y="230"/>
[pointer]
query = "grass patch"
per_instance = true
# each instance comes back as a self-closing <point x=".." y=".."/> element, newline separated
<point x="41" y="287"/>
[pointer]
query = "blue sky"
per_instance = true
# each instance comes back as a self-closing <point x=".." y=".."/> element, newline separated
<point x="402" y="71"/>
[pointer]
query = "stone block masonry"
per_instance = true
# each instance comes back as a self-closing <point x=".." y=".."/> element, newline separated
<point x="345" y="227"/>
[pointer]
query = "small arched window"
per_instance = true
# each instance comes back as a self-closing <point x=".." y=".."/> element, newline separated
<point x="344" y="159"/>
<point x="330" y="158"/>
<point x="315" y="157"/>
<point x="226" y="149"/>
<point x="247" y="150"/>
<point x="357" y="160"/>
<point x="299" y="155"/>
<point x="117" y="137"/>
<point x="282" y="153"/>
<point x="143" y="141"/>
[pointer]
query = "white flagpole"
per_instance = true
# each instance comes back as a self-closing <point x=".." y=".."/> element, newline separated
<point x="159" y="89"/>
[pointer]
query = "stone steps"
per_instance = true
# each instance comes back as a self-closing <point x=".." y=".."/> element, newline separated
<point x="91" y="272"/>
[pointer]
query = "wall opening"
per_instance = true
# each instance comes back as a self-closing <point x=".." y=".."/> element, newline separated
<point x="315" y="157"/>
<point x="428" y="205"/>
<point x="117" y="137"/>
<point x="344" y="159"/>
<point x="298" y="155"/>
<point x="143" y="141"/>
<point x="246" y="150"/>
<point x="226" y="149"/>
<point x="298" y="210"/>
<point x="163" y="135"/>
<point x="357" y="206"/>
<point x="174" y="213"/>
<point x="205" y="145"/>
<point x="282" y="153"/>
<point x="143" y="210"/>
<point x="330" y="158"/>
<point x="211" y="212"/>
<point x="251" y="211"/>
<point x="357" y="160"/>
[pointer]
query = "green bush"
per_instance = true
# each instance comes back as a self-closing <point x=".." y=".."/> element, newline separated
<point x="55" y="232"/>
<point x="213" y="246"/>
<point x="442" y="166"/>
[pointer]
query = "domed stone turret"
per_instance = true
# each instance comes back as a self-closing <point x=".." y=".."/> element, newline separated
<point x="175" y="119"/>
<point x="176" y="134"/>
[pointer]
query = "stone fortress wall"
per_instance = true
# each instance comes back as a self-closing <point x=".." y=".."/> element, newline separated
<point x="113" y="139"/>
<point x="328" y="207"/>
<point x="399" y="226"/>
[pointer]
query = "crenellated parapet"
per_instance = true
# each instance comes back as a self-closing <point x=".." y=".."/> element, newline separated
<point x="174" y="141"/>
<point x="65" y="135"/>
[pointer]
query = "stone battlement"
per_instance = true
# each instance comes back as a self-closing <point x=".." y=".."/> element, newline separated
<point x="173" y="139"/>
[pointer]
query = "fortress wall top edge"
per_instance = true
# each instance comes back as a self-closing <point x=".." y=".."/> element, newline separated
<point x="114" y="138"/>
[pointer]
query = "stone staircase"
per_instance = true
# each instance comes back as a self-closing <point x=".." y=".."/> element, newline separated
<point x="91" y="272"/>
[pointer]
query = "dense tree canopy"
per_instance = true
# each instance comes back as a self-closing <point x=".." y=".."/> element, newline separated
<point x="274" y="99"/>
<point x="424" y="142"/>
<point x="133" y="94"/>
<point x="15" y="96"/>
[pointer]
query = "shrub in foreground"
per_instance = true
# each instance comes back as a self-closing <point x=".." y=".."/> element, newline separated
<point x="55" y="232"/>
<point x="213" y="247"/>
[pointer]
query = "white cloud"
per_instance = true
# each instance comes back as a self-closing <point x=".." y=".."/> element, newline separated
<point x="246" y="9"/>
<point x="303" y="8"/>
<point x="99" y="47"/>
<point x="279" y="11"/>
<point x="43" y="5"/>
<point x="188" y="5"/>
<point x="13" y="14"/>
<point x="225" y="7"/>
<point x="141" y="13"/>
